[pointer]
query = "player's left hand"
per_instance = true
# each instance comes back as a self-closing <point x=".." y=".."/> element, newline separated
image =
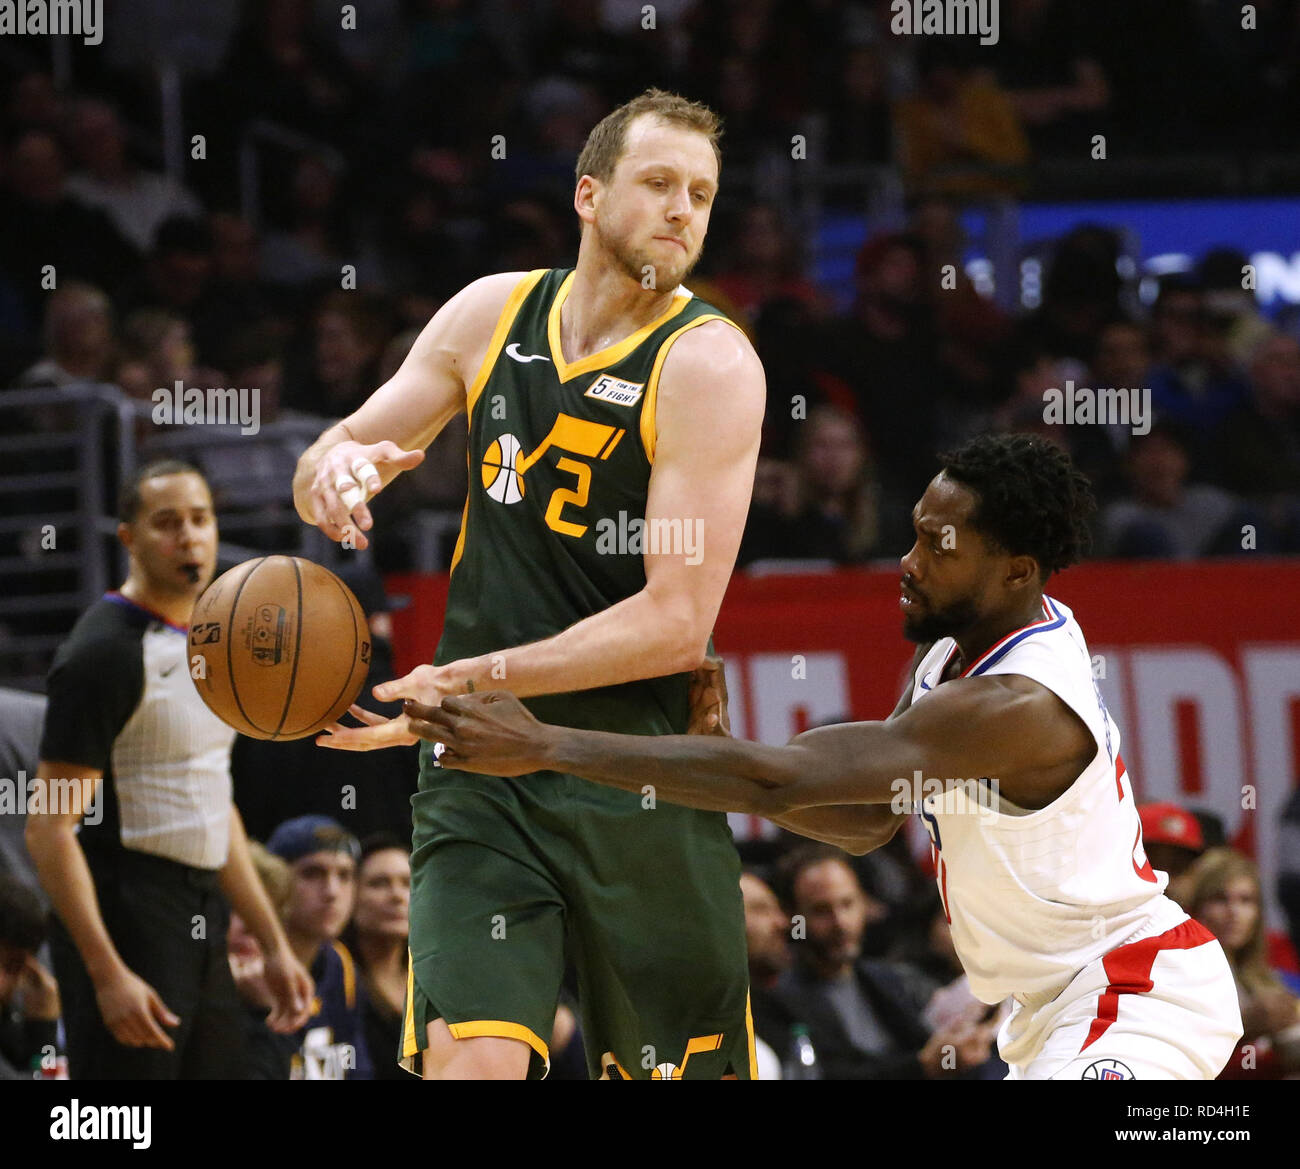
<point x="376" y="733"/>
<point x="291" y="990"/>
<point x="427" y="685"/>
<point x="492" y="733"/>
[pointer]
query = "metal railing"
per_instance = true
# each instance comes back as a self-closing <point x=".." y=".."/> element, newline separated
<point x="65" y="452"/>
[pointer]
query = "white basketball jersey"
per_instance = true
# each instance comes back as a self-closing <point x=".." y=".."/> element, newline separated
<point x="1034" y="896"/>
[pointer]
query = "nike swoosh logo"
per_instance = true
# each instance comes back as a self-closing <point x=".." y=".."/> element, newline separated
<point x="166" y="672"/>
<point x="512" y="350"/>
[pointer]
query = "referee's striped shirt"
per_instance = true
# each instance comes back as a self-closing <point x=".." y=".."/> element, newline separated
<point x="121" y="701"/>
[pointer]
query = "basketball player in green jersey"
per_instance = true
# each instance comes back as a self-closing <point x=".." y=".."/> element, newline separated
<point x="613" y="431"/>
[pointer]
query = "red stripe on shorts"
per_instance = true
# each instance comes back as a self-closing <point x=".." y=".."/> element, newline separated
<point x="1128" y="970"/>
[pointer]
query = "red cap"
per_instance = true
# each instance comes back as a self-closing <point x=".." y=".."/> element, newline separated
<point x="1170" y="824"/>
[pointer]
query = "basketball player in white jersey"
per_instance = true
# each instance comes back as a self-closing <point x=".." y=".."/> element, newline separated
<point x="1032" y="820"/>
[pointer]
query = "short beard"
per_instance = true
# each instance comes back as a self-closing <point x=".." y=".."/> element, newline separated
<point x="634" y="262"/>
<point x="941" y="623"/>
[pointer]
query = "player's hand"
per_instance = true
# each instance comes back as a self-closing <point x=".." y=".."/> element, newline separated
<point x="376" y="732"/>
<point x="427" y="685"/>
<point x="492" y="733"/>
<point x="133" y="1011"/>
<point x="708" y="715"/>
<point x="291" y="990"/>
<point x="346" y="476"/>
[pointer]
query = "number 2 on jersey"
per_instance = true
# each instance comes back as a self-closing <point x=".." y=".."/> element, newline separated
<point x="578" y="436"/>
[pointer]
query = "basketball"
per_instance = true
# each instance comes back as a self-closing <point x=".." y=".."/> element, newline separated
<point x="278" y="647"/>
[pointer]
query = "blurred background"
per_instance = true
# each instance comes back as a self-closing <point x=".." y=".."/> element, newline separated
<point x="921" y="236"/>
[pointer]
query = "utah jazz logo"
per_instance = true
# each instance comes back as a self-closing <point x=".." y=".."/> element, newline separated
<point x="504" y="466"/>
<point x="503" y="472"/>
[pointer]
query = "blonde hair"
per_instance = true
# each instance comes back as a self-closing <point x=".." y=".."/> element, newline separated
<point x="605" y="143"/>
<point x="1208" y="878"/>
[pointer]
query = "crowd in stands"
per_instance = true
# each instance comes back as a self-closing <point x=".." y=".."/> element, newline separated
<point x="852" y="970"/>
<point x="394" y="199"/>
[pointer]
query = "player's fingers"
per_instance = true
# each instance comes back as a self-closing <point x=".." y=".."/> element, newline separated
<point x="369" y="717"/>
<point x="417" y="684"/>
<point x="152" y="1035"/>
<point x="390" y="452"/>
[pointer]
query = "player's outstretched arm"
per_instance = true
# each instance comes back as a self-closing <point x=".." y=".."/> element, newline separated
<point x="356" y="458"/>
<point x="1004" y="728"/>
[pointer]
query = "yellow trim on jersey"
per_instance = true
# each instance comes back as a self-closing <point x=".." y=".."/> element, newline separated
<point x="509" y="311"/>
<point x="499" y="1029"/>
<point x="349" y="974"/>
<point x="409" y="1045"/>
<point x="753" y="1048"/>
<point x="611" y="354"/>
<point x="464" y="519"/>
<point x="652" y="383"/>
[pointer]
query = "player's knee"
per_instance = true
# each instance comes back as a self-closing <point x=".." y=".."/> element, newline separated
<point x="480" y="1057"/>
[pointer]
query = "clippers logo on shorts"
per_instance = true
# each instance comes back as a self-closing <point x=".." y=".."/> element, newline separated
<point x="1108" y="1069"/>
<point x="266" y="638"/>
<point x="611" y="389"/>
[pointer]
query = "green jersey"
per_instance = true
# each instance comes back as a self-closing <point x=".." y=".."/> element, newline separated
<point x="554" y="527"/>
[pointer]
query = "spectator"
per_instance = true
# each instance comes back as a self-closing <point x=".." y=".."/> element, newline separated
<point x="1164" y="516"/>
<point x="949" y="1002"/>
<point x="347" y="338"/>
<point x="178" y="270"/>
<point x="864" y="1017"/>
<point x="764" y="264"/>
<point x="1172" y="839"/>
<point x="886" y="352"/>
<point x="959" y="135"/>
<point x="56" y="231"/>
<point x="1288" y="864"/>
<point x="29" y="996"/>
<point x="158" y="352"/>
<point x="137" y="201"/>
<point x="1260" y="441"/>
<point x="859" y="129"/>
<point x="1045" y="59"/>
<point x="312" y="245"/>
<point x="1222" y="892"/>
<point x="377" y="937"/>
<point x="1195" y="382"/>
<point x="839" y="518"/>
<point x="268" y="1058"/>
<point x="79" y="339"/>
<point x="323" y="858"/>
<point x="237" y="299"/>
<point x="767" y="930"/>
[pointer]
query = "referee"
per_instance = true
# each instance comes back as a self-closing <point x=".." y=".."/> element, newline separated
<point x="139" y="847"/>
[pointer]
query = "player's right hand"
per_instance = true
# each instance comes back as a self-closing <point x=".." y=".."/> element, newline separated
<point x="347" y="475"/>
<point x="132" y="1011"/>
<point x="708" y="700"/>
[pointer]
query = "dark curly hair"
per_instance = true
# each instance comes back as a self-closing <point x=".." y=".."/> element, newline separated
<point x="1031" y="500"/>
